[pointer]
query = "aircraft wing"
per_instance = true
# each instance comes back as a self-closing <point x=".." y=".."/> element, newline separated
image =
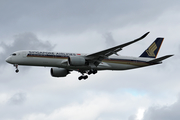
<point x="97" y="57"/>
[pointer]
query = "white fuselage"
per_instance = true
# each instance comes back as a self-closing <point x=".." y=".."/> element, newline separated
<point x="58" y="59"/>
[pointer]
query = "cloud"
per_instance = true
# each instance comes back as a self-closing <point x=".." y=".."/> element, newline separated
<point x="77" y="16"/>
<point x="167" y="112"/>
<point x="79" y="26"/>
<point x="132" y="117"/>
<point x="93" y="106"/>
<point x="88" y="110"/>
<point x="17" y="99"/>
<point x="110" y="42"/>
<point x="24" y="41"/>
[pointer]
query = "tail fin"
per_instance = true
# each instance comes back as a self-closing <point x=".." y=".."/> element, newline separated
<point x="153" y="49"/>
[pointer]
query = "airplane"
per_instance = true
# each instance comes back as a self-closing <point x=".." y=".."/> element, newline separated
<point x="63" y="63"/>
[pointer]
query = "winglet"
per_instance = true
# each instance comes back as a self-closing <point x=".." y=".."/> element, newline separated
<point x="138" y="39"/>
<point x="144" y="35"/>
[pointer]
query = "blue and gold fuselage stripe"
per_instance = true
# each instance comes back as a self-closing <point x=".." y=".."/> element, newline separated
<point x="126" y="61"/>
<point x="110" y="60"/>
<point x="66" y="55"/>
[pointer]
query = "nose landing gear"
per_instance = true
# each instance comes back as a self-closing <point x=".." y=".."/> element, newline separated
<point x="16" y="66"/>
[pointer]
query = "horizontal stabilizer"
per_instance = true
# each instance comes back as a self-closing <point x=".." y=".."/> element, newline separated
<point x="160" y="59"/>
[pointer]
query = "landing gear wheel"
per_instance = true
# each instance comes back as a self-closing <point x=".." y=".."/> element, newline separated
<point x="16" y="66"/>
<point x="80" y="78"/>
<point x="17" y="71"/>
<point x="89" y="72"/>
<point x="83" y="77"/>
<point x="94" y="71"/>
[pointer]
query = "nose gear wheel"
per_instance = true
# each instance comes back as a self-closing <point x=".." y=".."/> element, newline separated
<point x="16" y="66"/>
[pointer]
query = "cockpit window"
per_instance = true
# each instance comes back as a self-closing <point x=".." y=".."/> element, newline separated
<point x="14" y="54"/>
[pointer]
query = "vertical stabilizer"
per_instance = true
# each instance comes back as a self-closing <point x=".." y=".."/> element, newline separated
<point x="153" y="49"/>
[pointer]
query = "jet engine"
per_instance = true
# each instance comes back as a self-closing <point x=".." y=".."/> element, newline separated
<point x="77" y="61"/>
<point x="59" y="72"/>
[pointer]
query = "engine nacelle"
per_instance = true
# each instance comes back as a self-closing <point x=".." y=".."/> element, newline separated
<point x="77" y="61"/>
<point x="59" y="72"/>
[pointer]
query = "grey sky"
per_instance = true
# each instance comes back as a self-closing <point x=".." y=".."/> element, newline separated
<point x="23" y="41"/>
<point x="163" y="112"/>
<point x="88" y="27"/>
<point x="77" y="16"/>
<point x="110" y="42"/>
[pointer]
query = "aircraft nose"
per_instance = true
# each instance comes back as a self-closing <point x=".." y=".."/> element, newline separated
<point x="8" y="60"/>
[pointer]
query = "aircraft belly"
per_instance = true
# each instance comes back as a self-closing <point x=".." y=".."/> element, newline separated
<point x="115" y="66"/>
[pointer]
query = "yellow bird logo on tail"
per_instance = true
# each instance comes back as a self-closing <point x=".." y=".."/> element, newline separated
<point x="151" y="49"/>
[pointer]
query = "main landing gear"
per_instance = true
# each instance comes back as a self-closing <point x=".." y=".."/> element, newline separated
<point x="83" y="77"/>
<point x="92" y="72"/>
<point x="16" y="66"/>
<point x="88" y="72"/>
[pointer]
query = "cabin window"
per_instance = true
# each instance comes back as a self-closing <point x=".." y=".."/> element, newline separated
<point x="14" y="54"/>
